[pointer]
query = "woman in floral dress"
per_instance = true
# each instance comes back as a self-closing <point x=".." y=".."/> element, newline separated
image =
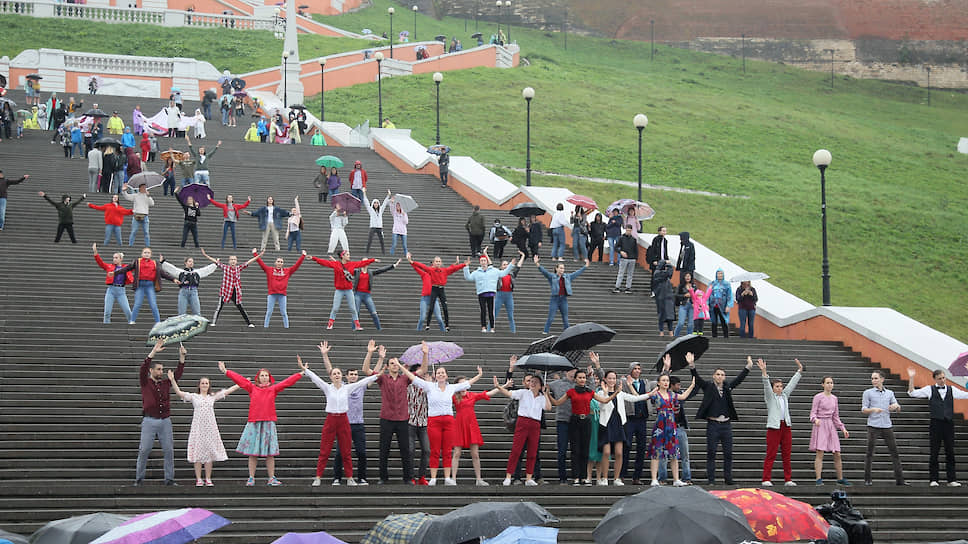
<point x="204" y="441"/>
<point x="664" y="444"/>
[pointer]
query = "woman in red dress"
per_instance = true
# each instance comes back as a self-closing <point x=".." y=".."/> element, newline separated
<point x="468" y="431"/>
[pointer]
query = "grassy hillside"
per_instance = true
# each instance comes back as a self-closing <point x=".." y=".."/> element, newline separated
<point x="896" y="193"/>
<point x="238" y="51"/>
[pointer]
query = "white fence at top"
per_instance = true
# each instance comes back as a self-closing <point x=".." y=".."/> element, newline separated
<point x="149" y="16"/>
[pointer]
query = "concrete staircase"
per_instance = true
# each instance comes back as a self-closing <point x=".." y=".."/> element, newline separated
<point x="70" y="405"/>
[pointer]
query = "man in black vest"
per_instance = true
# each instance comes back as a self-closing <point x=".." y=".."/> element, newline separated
<point x="637" y="426"/>
<point x="942" y="427"/>
<point x="718" y="411"/>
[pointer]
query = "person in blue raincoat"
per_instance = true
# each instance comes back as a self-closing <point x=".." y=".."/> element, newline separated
<point x="720" y="301"/>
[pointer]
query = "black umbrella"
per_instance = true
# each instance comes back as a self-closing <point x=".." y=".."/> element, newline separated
<point x="526" y="209"/>
<point x="296" y="107"/>
<point x="3" y="80"/>
<point x="545" y="362"/>
<point x="440" y="38"/>
<point x="481" y="519"/>
<point x="237" y="83"/>
<point x="211" y="94"/>
<point x="106" y="142"/>
<point x="545" y="346"/>
<point x="583" y="336"/>
<point x="673" y="514"/>
<point x="476" y="35"/>
<point x="696" y="344"/>
<point x="34" y="76"/>
<point x="96" y="113"/>
<point x="78" y="529"/>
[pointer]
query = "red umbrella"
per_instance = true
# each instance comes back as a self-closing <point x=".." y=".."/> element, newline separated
<point x="776" y="518"/>
<point x="584" y="201"/>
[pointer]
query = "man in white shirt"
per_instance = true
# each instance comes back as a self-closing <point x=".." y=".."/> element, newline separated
<point x="942" y="426"/>
<point x="142" y="202"/>
<point x="557" y="226"/>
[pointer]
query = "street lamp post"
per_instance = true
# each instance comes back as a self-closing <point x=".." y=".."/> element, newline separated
<point x="831" y="69"/>
<point x="285" y="72"/>
<point x="743" y="38"/>
<point x="640" y="121"/>
<point x="528" y="94"/>
<point x="507" y="4"/>
<point x="438" y="77"/>
<point x="928" y="68"/>
<point x="821" y="159"/>
<point x="322" y="89"/>
<point x="379" y="86"/>
<point x="414" y="8"/>
<point x="499" y="5"/>
<point x="390" y="10"/>
<point x="652" y="33"/>
<point x="277" y="23"/>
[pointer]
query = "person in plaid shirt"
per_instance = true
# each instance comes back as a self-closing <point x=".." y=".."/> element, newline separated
<point x="231" y="288"/>
<point x="417" y="408"/>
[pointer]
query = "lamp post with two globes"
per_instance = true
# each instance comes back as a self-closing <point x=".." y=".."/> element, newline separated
<point x="322" y="89"/>
<point x="285" y="72"/>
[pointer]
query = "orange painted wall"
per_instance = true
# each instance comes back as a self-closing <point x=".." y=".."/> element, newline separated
<point x="484" y="56"/>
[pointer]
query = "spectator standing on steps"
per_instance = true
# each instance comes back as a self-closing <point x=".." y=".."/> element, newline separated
<point x="628" y="250"/>
<point x="718" y="410"/>
<point x="579" y="233"/>
<point x="114" y="293"/>
<point x="4" y="184"/>
<point x="658" y="249"/>
<point x="231" y="287"/>
<point x="443" y="166"/>
<point x="687" y="254"/>
<point x="560" y="284"/>
<point x="277" y="281"/>
<point x="941" y="426"/>
<point x="720" y="301"/>
<point x="475" y="230"/>
<point x="535" y="236"/>
<point x="613" y="231"/>
<point x="65" y="214"/>
<point x="156" y="410"/>
<point x="203" y="161"/>
<point x="358" y="180"/>
<point x="779" y="435"/>
<point x="558" y="221"/>
<point x="94" y="165"/>
<point x="596" y="238"/>
<point x="684" y="304"/>
<point x="877" y="404"/>
<point x="499" y="236"/>
<point x="746" y="300"/>
<point x="664" y="298"/>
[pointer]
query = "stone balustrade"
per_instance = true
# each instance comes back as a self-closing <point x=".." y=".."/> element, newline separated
<point x="149" y="16"/>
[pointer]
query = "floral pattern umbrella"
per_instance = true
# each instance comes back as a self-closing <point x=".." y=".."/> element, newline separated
<point x="440" y="352"/>
<point x="775" y="517"/>
<point x="643" y="212"/>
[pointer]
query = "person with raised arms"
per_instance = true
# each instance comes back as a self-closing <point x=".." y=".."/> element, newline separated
<point x="532" y="402"/>
<point x="231" y="287"/>
<point x="277" y="281"/>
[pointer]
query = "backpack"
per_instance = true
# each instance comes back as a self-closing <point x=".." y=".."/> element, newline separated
<point x="511" y="415"/>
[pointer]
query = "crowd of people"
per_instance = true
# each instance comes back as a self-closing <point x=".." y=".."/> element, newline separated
<point x="601" y="418"/>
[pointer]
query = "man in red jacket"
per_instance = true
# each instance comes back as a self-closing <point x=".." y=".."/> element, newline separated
<point x="277" y="280"/>
<point x="343" y="283"/>
<point x="114" y="214"/>
<point x="438" y="279"/>
<point x="156" y="411"/>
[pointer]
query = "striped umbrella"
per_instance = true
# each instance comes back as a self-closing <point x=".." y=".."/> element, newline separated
<point x="165" y="527"/>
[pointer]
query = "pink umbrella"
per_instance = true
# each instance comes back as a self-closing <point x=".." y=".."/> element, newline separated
<point x="960" y="365"/>
<point x="440" y="352"/>
<point x="584" y="201"/>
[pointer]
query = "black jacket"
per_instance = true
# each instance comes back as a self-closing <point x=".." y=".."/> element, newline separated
<point x="628" y="244"/>
<point x="536" y="233"/>
<point x="658" y="248"/>
<point x="709" y="392"/>
<point x="687" y="253"/>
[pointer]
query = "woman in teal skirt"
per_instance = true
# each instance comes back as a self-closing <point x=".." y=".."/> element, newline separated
<point x="259" y="438"/>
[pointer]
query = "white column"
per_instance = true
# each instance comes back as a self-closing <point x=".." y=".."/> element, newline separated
<point x="293" y="87"/>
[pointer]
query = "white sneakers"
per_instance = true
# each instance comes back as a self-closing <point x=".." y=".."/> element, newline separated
<point x="481" y="483"/>
<point x="450" y="481"/>
<point x="506" y="482"/>
<point x="933" y="484"/>
<point x="603" y="482"/>
<point x="315" y="482"/>
<point x="432" y="482"/>
<point x="954" y="484"/>
<point x="790" y="483"/>
<point x="679" y="483"/>
<point x="766" y="483"/>
<point x="618" y="481"/>
<point x="350" y="481"/>
<point x="655" y="483"/>
<point x="530" y="483"/>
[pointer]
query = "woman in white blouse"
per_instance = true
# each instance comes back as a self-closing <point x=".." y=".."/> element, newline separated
<point x="532" y="401"/>
<point x="441" y="425"/>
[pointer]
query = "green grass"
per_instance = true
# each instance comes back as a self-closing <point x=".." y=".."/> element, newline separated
<point x="896" y="192"/>
<point x="896" y="195"/>
<point x="235" y="50"/>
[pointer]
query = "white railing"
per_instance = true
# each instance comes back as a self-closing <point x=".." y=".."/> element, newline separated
<point x="238" y="22"/>
<point x="160" y="17"/>
<point x="118" y="64"/>
<point x="19" y="8"/>
<point x="104" y="14"/>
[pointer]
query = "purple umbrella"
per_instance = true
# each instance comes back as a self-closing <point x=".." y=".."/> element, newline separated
<point x="440" y="352"/>
<point x="321" y="537"/>
<point x="347" y="202"/>
<point x="960" y="365"/>
<point x="198" y="191"/>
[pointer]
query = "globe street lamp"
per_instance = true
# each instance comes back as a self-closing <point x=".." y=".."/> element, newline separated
<point x="507" y="4"/>
<point x="499" y="5"/>
<point x="390" y="10"/>
<point x="822" y="160"/>
<point x="379" y="86"/>
<point x="640" y="121"/>
<point x="414" y="8"/>
<point x="285" y="78"/>
<point x="438" y="77"/>
<point x="528" y="94"/>
<point x="322" y="89"/>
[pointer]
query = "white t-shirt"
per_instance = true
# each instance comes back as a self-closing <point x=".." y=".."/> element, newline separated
<point x="529" y="406"/>
<point x="440" y="403"/>
<point x="338" y="400"/>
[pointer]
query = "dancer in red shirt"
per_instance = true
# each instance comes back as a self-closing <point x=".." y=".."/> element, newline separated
<point x="343" y="283"/>
<point x="260" y="439"/>
<point x="113" y="218"/>
<point x="277" y="280"/>
<point x="438" y="279"/>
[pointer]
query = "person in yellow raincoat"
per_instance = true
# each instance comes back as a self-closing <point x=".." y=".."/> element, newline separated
<point x="31" y="120"/>
<point x="252" y="135"/>
<point x="115" y="124"/>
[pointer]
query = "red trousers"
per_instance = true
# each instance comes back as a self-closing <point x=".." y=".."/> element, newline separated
<point x="442" y="433"/>
<point x="782" y="439"/>
<point x="336" y="426"/>
<point x="527" y="431"/>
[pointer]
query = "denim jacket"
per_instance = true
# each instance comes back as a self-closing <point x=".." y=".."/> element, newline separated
<point x="553" y="279"/>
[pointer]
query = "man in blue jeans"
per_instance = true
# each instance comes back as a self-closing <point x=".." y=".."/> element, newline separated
<point x="682" y="435"/>
<point x="560" y="284"/>
<point x="4" y="183"/>
<point x="557" y="227"/>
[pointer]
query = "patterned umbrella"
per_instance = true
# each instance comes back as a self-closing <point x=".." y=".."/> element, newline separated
<point x="165" y="527"/>
<point x="643" y="211"/>
<point x="438" y="149"/>
<point x="347" y="202"/>
<point x="440" y="352"/>
<point x="396" y="529"/>
<point x="177" y="329"/>
<point x="586" y="202"/>
<point x="775" y="517"/>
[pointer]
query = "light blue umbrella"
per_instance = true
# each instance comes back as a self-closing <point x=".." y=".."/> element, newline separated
<point x="525" y="535"/>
